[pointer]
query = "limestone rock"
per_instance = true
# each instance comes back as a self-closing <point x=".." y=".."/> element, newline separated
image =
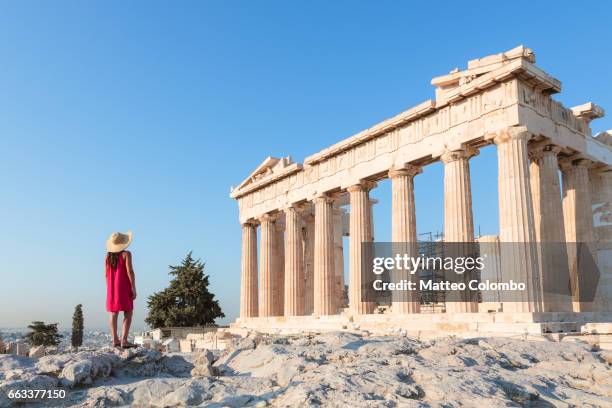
<point x="290" y="370"/>
<point x="203" y="365"/>
<point x="177" y="366"/>
<point x="331" y="369"/>
<point x="190" y="394"/>
<point x="77" y="372"/>
<point x="53" y="364"/>
<point x="606" y="356"/>
<point x="37" y="352"/>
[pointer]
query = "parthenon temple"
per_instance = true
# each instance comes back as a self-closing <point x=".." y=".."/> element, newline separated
<point x="554" y="185"/>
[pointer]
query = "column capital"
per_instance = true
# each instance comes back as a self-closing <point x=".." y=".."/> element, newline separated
<point x="298" y="208"/>
<point x="249" y="223"/>
<point x="322" y="198"/>
<point x="571" y="163"/>
<point x="463" y="153"/>
<point x="538" y="151"/>
<point x="268" y="217"/>
<point x="512" y="133"/>
<point x="364" y="185"/>
<point x="409" y="170"/>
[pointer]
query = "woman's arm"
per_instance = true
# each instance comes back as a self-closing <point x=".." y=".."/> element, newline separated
<point x="130" y="272"/>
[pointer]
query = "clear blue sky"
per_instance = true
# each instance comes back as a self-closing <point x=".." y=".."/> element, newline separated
<point x="141" y="115"/>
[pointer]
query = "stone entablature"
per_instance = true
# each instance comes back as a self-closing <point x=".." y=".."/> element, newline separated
<point x="495" y="93"/>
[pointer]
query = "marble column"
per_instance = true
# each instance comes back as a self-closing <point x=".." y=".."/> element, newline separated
<point x="294" y="263"/>
<point x="404" y="234"/>
<point x="519" y="258"/>
<point x="359" y="226"/>
<point x="324" y="267"/>
<point x="248" y="281"/>
<point x="308" y="234"/>
<point x="458" y="221"/>
<point x="339" y="254"/>
<point x="601" y="194"/>
<point x="549" y="228"/>
<point x="489" y="249"/>
<point x="579" y="233"/>
<point x="278" y="282"/>
<point x="266" y="265"/>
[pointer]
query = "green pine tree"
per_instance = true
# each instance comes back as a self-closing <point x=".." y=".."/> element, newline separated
<point x="186" y="302"/>
<point x="77" y="327"/>
<point x="42" y="334"/>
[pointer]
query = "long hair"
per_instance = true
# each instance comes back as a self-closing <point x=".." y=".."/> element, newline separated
<point x="112" y="258"/>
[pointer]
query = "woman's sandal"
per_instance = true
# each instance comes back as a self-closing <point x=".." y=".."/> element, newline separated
<point x="128" y="345"/>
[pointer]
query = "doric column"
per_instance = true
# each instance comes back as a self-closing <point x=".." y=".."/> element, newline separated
<point x="339" y="254"/>
<point x="489" y="249"/>
<point x="294" y="263"/>
<point x="309" y="234"/>
<point x="601" y="194"/>
<point x="578" y="218"/>
<point x="278" y="282"/>
<point x="458" y="218"/>
<point x="519" y="259"/>
<point x="549" y="229"/>
<point x="324" y="268"/>
<point x="359" y="233"/>
<point x="577" y="200"/>
<point x="404" y="234"/>
<point x="266" y="265"/>
<point x="248" y="280"/>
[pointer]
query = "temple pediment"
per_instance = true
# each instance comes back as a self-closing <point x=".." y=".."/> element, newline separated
<point x="269" y="170"/>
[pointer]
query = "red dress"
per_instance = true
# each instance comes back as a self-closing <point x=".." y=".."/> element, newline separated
<point x="118" y="287"/>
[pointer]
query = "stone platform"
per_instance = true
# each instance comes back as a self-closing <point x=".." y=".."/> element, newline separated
<point x="436" y="324"/>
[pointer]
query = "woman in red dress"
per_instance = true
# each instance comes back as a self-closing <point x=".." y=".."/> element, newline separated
<point x="120" y="285"/>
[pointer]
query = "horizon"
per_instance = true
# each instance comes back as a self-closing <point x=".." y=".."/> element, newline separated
<point x="142" y="116"/>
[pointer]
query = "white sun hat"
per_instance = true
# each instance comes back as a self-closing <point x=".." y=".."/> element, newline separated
<point x="118" y="241"/>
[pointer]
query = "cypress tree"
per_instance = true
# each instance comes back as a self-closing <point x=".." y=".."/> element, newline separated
<point x="77" y="327"/>
<point x="186" y="302"/>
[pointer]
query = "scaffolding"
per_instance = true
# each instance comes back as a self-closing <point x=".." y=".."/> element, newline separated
<point x="430" y="245"/>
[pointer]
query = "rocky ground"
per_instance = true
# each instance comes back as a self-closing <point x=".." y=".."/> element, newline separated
<point x="335" y="369"/>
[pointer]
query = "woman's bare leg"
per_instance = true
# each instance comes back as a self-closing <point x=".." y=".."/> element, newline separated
<point x="127" y="321"/>
<point x="113" y="327"/>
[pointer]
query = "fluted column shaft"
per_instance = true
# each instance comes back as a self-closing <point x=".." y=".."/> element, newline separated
<point x="601" y="194"/>
<point x="309" y="234"/>
<point x="339" y="254"/>
<point x="519" y="260"/>
<point x="404" y="234"/>
<point x="458" y="217"/>
<point x="359" y="232"/>
<point x="278" y="282"/>
<point x="578" y="216"/>
<point x="294" y="263"/>
<point x="248" y="280"/>
<point x="266" y="266"/>
<point x="489" y="247"/>
<point x="577" y="201"/>
<point x="324" y="268"/>
<point x="549" y="228"/>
